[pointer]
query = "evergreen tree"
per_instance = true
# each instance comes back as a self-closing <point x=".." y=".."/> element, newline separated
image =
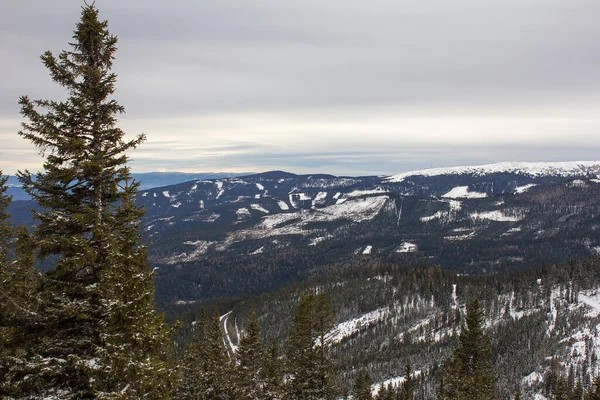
<point x="192" y="372"/>
<point x="308" y="363"/>
<point x="362" y="387"/>
<point x="469" y="375"/>
<point x="98" y="334"/>
<point x="18" y="317"/>
<point x="207" y="370"/>
<point x="386" y="393"/>
<point x="250" y="358"/>
<point x="407" y="389"/>
<point x="560" y="391"/>
<point x="517" y="394"/>
<point x="272" y="373"/>
<point x="594" y="392"/>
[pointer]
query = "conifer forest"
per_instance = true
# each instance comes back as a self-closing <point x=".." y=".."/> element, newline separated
<point x="80" y="317"/>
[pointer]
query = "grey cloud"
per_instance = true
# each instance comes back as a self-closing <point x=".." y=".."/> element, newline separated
<point x="335" y="59"/>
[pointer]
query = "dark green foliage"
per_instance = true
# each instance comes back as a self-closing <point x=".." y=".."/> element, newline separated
<point x="96" y="332"/>
<point x="594" y="392"/>
<point x="308" y="361"/>
<point x="18" y="305"/>
<point x="469" y="375"/>
<point x="560" y="393"/>
<point x="386" y="393"/>
<point x="207" y="370"/>
<point x="407" y="389"/>
<point x="272" y="372"/>
<point x="362" y="387"/>
<point x="250" y="362"/>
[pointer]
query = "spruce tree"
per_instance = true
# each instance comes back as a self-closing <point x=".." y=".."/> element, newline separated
<point x="469" y="375"/>
<point x="272" y="373"/>
<point x="98" y="334"/>
<point x="308" y="363"/>
<point x="192" y="373"/>
<point x="249" y="362"/>
<point x="407" y="389"/>
<point x="362" y="387"/>
<point x="19" y="282"/>
<point x="207" y="370"/>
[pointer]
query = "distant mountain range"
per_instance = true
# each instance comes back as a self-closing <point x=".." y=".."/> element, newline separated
<point x="148" y="180"/>
<point x="223" y="237"/>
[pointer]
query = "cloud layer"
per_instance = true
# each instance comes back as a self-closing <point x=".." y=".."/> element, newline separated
<point x="345" y="87"/>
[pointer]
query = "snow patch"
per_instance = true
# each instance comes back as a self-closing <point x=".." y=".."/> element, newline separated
<point x="407" y="247"/>
<point x="496" y="215"/>
<point x="260" y="187"/>
<point x="368" y="250"/>
<point x="258" y="207"/>
<point x="462" y="192"/>
<point x="532" y="169"/>
<point x="242" y="213"/>
<point x="283" y="205"/>
<point x="258" y="251"/>
<point x="524" y="188"/>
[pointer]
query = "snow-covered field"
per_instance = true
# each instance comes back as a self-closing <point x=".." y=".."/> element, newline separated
<point x="533" y="169"/>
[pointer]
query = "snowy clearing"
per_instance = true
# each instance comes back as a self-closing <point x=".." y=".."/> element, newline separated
<point x="462" y="192"/>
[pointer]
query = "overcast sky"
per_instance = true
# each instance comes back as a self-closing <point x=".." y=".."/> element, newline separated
<point x="337" y="86"/>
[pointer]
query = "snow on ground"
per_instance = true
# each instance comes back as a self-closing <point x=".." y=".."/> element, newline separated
<point x="496" y="215"/>
<point x="368" y="250"/>
<point x="258" y="207"/>
<point x="166" y="194"/>
<point x="467" y="236"/>
<point x="229" y="342"/>
<point x="462" y="192"/>
<point x="577" y="183"/>
<point x="144" y="194"/>
<point x="591" y="298"/>
<point x="348" y="328"/>
<point x="533" y="169"/>
<point x="437" y="215"/>
<point x="176" y="205"/>
<point x="293" y="202"/>
<point x="283" y="205"/>
<point x="320" y="199"/>
<point x="293" y="223"/>
<point x="259" y="186"/>
<point x="201" y="204"/>
<point x="407" y="247"/>
<point x="512" y="231"/>
<point x="272" y="221"/>
<point x="395" y="382"/>
<point x="455" y="207"/>
<point x="258" y="251"/>
<point x="219" y="188"/>
<point x="337" y="196"/>
<point x="553" y="311"/>
<point x="317" y="240"/>
<point x="361" y="193"/>
<point x="242" y="213"/>
<point x="202" y="247"/>
<point x="524" y="188"/>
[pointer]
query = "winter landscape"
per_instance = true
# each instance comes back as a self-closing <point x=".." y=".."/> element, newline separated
<point x="362" y="235"/>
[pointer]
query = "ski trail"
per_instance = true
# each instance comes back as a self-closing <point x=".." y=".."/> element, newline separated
<point x="229" y="342"/>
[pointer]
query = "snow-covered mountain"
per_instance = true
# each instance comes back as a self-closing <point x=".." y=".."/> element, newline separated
<point x="473" y="220"/>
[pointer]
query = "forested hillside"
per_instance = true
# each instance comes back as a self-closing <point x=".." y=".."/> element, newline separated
<point x="542" y="323"/>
